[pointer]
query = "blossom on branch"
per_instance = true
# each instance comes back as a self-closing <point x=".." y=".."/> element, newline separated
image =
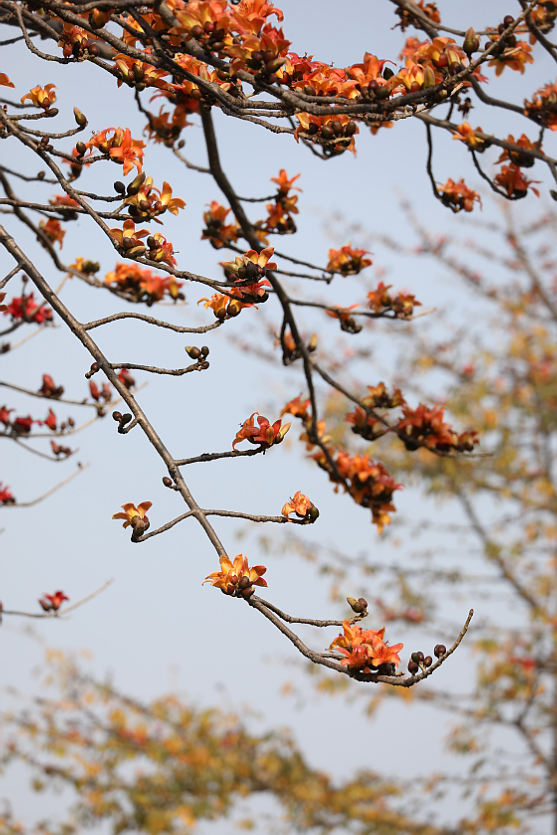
<point x="365" y="650"/>
<point x="25" y="309"/>
<point x="514" y="182"/>
<point x="216" y="231"/>
<point x="6" y="496"/>
<point x="458" y="196"/>
<point x="135" y="517"/>
<point x="41" y="96"/>
<point x="265" y="434"/>
<point x="301" y="506"/>
<point x="348" y="261"/>
<point x="237" y="578"/>
<point x="142" y="284"/>
<point x="52" y="602"/>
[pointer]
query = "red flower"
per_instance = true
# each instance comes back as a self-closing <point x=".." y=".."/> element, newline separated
<point x="52" y="602"/>
<point x="5" y="415"/>
<point x="50" y="420"/>
<point x="126" y="378"/>
<point x="49" y="388"/>
<point x="26" y="309"/>
<point x="6" y="496"/>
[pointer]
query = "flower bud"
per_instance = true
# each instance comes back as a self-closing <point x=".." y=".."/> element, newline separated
<point x="193" y="352"/>
<point x="471" y="42"/>
<point x="117" y="416"/>
<point x="79" y="118"/>
<point x="415" y="657"/>
<point x="204" y="350"/>
<point x="428" y="661"/>
<point x="244" y="583"/>
<point x="439" y="650"/>
<point x="413" y="667"/>
<point x="313" y="514"/>
<point x="167" y="481"/>
<point x="125" y="419"/>
<point x="135" y="185"/>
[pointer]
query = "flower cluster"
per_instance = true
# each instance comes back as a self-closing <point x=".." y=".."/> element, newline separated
<point x="120" y="147"/>
<point x="21" y="425"/>
<point x="520" y="158"/>
<point x="142" y="285"/>
<point x="247" y="274"/>
<point x="425" y="427"/>
<point x="264" y="434"/>
<point x="279" y="218"/>
<point x="383" y="303"/>
<point x="467" y="134"/>
<point x="130" y="242"/>
<point x="458" y="196"/>
<point x="237" y="578"/>
<point x="367" y="482"/>
<point x="543" y="107"/>
<point x="348" y="261"/>
<point x="365" y="650"/>
<point x="510" y="52"/>
<point x="148" y="202"/>
<point x="216" y="230"/>
<point x="24" y="309"/>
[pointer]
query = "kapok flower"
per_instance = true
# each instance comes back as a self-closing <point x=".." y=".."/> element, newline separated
<point x="53" y="230"/>
<point x="467" y="134"/>
<point x="297" y="407"/>
<point x="52" y="602"/>
<point x="51" y="420"/>
<point x="364" y="649"/>
<point x="348" y="261"/>
<point x="216" y="230"/>
<point x="237" y="578"/>
<point x="5" y="81"/>
<point x="458" y="196"/>
<point x="225" y="307"/>
<point x="6" y="496"/>
<point x="521" y="158"/>
<point x="514" y="182"/>
<point x="543" y="107"/>
<point x="251" y="266"/>
<point x="41" y="96"/>
<point x="25" y="308"/>
<point x="301" y="506"/>
<point x="135" y="516"/>
<point x="130" y="240"/>
<point x="265" y="434"/>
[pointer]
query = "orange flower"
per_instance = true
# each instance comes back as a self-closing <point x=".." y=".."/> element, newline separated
<point x="458" y="196"/>
<point x="265" y="434"/>
<point x="284" y="183"/>
<point x="297" y="407"/>
<point x="225" y="307"/>
<point x="347" y="322"/>
<point x="543" y="108"/>
<point x="336" y="134"/>
<point x="120" y="147"/>
<point x="143" y="285"/>
<point x="468" y="135"/>
<point x="237" y="578"/>
<point x="516" y="57"/>
<point x="41" y="96"/>
<point x="301" y="506"/>
<point x="381" y="302"/>
<point x="250" y="266"/>
<point x="348" y="261"/>
<point x="130" y="240"/>
<point x="519" y="158"/>
<point x="425" y="427"/>
<point x="134" y="516"/>
<point x="215" y="229"/>
<point x="364" y="649"/>
<point x="5" y="81"/>
<point x="53" y="230"/>
<point x="379" y="397"/>
<point x="513" y="180"/>
<point x="149" y="202"/>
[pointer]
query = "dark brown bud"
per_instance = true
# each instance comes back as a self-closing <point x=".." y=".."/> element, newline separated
<point x="135" y="185"/>
<point x="80" y="147"/>
<point x="507" y="20"/>
<point x="428" y="661"/>
<point x="117" y="416"/>
<point x="244" y="583"/>
<point x="125" y="419"/>
<point x="79" y="118"/>
<point x="196" y="31"/>
<point x="439" y="650"/>
<point x="94" y="49"/>
<point x="313" y="513"/>
<point x="193" y="352"/>
<point x="413" y="667"/>
<point x="119" y="187"/>
<point x="204" y="350"/>
<point x="416" y="657"/>
<point x="167" y="481"/>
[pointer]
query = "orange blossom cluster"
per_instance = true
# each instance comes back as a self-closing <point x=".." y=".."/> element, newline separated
<point x="237" y="578"/>
<point x="365" y="650"/>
